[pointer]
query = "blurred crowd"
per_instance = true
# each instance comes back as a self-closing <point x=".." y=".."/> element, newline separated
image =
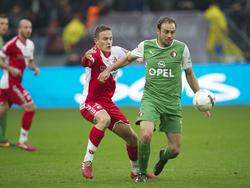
<point x="59" y="24"/>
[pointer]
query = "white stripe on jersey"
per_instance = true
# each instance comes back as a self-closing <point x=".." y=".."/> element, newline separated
<point x="86" y="87"/>
<point x="27" y="50"/>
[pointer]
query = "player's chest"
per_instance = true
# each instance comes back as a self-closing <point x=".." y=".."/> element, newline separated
<point x="23" y="51"/>
<point x="107" y="61"/>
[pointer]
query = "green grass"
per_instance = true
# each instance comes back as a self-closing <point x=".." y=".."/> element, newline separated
<point x="215" y="152"/>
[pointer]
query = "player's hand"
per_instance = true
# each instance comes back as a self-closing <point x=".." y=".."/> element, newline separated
<point x="103" y="76"/>
<point x="89" y="53"/>
<point x="36" y="71"/>
<point x="15" y="72"/>
<point x="207" y="114"/>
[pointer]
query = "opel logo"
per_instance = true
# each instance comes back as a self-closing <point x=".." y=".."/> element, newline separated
<point x="161" y="64"/>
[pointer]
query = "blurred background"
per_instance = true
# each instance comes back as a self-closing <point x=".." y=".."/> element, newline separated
<point x="215" y="150"/>
<point x="217" y="33"/>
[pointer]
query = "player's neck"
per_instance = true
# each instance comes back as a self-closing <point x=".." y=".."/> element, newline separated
<point x="22" y="39"/>
<point x="162" y="45"/>
<point x="106" y="54"/>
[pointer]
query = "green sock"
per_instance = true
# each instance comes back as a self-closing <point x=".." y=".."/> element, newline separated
<point x="2" y="128"/>
<point x="168" y="155"/>
<point x="144" y="152"/>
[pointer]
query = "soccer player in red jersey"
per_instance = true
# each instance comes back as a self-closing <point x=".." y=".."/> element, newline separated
<point x="97" y="105"/>
<point x="14" y="57"/>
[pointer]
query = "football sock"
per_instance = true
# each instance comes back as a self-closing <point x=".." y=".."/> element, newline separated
<point x="143" y="153"/>
<point x="95" y="137"/>
<point x="133" y="156"/>
<point x="132" y="152"/>
<point x="168" y="155"/>
<point x="91" y="148"/>
<point x="23" y="136"/>
<point x="27" y="120"/>
<point x="3" y="124"/>
<point x="134" y="166"/>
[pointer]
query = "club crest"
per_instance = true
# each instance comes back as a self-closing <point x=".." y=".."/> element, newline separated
<point x="114" y="59"/>
<point x="173" y="54"/>
<point x="140" y="114"/>
<point x="102" y="68"/>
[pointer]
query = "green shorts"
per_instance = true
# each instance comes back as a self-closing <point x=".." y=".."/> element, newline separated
<point x="169" y="123"/>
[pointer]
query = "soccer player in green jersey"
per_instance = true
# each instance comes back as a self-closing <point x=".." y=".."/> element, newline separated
<point x="165" y="59"/>
<point x="4" y="25"/>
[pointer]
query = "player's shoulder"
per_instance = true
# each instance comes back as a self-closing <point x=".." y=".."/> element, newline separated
<point x="11" y="42"/>
<point x="148" y="42"/>
<point x="178" y="42"/>
<point x="118" y="49"/>
<point x="96" y="51"/>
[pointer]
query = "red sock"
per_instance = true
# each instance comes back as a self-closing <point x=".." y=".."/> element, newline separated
<point x="95" y="136"/>
<point x="132" y="152"/>
<point x="27" y="120"/>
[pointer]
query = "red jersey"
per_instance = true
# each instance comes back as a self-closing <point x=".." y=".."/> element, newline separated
<point x="18" y="54"/>
<point x="95" y="91"/>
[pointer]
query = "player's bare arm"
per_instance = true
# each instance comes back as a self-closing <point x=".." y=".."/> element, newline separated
<point x="127" y="59"/>
<point x="191" y="79"/>
<point x="33" y="67"/>
<point x="193" y="83"/>
<point x="12" y="70"/>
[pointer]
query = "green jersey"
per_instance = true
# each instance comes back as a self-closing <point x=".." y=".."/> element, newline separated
<point x="1" y="42"/>
<point x="164" y="67"/>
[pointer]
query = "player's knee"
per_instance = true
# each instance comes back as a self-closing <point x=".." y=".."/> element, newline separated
<point x="105" y="121"/>
<point x="30" y="108"/>
<point x="146" y="136"/>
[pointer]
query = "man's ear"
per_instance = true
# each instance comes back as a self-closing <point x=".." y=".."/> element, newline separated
<point x="158" y="32"/>
<point x="95" y="40"/>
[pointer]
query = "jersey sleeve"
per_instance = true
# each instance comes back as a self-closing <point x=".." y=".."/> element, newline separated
<point x="121" y="51"/>
<point x="86" y="62"/>
<point x="187" y="62"/>
<point x="138" y="51"/>
<point x="32" y="51"/>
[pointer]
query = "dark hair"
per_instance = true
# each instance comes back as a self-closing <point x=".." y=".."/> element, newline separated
<point x="3" y="16"/>
<point x="163" y="20"/>
<point x="100" y="29"/>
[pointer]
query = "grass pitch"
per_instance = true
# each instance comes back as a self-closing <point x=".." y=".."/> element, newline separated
<point x="215" y="152"/>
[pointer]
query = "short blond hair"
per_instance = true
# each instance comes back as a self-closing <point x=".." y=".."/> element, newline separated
<point x="100" y="29"/>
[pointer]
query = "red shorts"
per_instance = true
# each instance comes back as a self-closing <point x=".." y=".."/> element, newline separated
<point x="90" y="110"/>
<point x="15" y="94"/>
